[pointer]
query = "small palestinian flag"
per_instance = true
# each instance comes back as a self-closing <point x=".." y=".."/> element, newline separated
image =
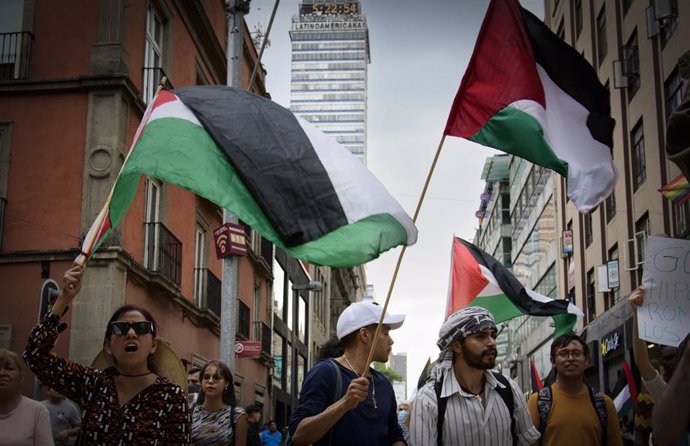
<point x="528" y="93"/>
<point x="477" y="279"/>
<point x="625" y="391"/>
<point x="534" y="376"/>
<point x="276" y="172"/>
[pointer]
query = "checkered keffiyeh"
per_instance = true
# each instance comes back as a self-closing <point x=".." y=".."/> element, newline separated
<point x="459" y="325"/>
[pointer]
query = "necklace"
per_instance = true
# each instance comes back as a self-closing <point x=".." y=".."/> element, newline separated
<point x="373" y="386"/>
<point x="135" y="376"/>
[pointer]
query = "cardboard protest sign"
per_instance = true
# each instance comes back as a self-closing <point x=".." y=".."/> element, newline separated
<point x="665" y="316"/>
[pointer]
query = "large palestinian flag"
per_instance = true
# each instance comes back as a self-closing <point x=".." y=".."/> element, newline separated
<point x="279" y="174"/>
<point x="477" y="279"/>
<point x="528" y="93"/>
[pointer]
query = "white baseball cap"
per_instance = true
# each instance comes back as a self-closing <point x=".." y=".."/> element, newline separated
<point x="362" y="314"/>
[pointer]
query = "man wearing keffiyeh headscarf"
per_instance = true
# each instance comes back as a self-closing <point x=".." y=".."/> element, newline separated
<point x="473" y="403"/>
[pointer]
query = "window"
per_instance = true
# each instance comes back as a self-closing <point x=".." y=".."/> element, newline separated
<point x="578" y="17"/>
<point x="256" y="319"/>
<point x="243" y="322"/>
<point x="278" y="356"/>
<point x="641" y="233"/>
<point x="673" y="92"/>
<point x="632" y="65"/>
<point x="638" y="156"/>
<point x="682" y="219"/>
<point x="588" y="229"/>
<point x="602" y="39"/>
<point x="152" y="216"/>
<point x="669" y="22"/>
<point x="199" y="265"/>
<point x="610" y="206"/>
<point x="615" y="293"/>
<point x="153" y="52"/>
<point x="278" y="289"/>
<point x="590" y="310"/>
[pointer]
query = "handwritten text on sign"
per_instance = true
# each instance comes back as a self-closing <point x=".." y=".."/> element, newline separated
<point x="665" y="316"/>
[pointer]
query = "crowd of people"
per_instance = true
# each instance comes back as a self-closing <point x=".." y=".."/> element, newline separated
<point x="343" y="400"/>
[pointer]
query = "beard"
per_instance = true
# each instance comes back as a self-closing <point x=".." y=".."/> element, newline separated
<point x="482" y="361"/>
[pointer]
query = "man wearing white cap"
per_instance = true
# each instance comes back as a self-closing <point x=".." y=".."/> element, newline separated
<point x="465" y="403"/>
<point x="337" y="405"/>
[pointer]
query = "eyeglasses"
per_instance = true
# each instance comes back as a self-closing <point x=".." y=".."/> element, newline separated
<point x="214" y="378"/>
<point x="575" y="354"/>
<point x="122" y="328"/>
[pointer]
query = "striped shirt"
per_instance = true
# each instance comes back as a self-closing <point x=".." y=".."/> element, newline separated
<point x="467" y="421"/>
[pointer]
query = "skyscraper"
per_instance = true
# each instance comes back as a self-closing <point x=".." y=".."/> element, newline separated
<point x="330" y="54"/>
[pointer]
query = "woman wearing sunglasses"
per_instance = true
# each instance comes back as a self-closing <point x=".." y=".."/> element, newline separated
<point x="128" y="403"/>
<point x="217" y="420"/>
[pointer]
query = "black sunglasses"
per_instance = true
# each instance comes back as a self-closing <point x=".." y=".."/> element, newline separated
<point x="122" y="328"/>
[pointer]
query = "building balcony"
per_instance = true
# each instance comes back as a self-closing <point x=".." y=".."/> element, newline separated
<point x="162" y="252"/>
<point x="207" y="290"/>
<point x="15" y="55"/>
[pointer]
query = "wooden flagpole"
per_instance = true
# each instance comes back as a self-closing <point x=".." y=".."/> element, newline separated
<point x="402" y="254"/>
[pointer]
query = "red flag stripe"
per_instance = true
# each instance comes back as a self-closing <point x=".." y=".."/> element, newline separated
<point x="631" y="381"/>
<point x="467" y="279"/>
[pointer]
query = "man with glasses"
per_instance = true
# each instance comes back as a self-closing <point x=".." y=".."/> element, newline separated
<point x="569" y="411"/>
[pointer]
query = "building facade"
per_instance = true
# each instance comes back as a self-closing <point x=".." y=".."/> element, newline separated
<point x="634" y="46"/>
<point x="75" y="78"/>
<point x="595" y="260"/>
<point x="330" y="54"/>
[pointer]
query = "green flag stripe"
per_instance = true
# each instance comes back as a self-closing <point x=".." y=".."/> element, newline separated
<point x="194" y="162"/>
<point x="517" y="132"/>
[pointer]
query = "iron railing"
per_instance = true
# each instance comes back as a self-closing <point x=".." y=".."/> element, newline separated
<point x="15" y="55"/>
<point x="207" y="290"/>
<point x="265" y="339"/>
<point x="163" y="252"/>
<point x="152" y="77"/>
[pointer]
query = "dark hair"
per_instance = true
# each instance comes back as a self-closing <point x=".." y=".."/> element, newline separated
<point x="229" y="392"/>
<point x="126" y="309"/>
<point x="252" y="408"/>
<point x="333" y="348"/>
<point x="350" y="338"/>
<point x="147" y="315"/>
<point x="566" y="339"/>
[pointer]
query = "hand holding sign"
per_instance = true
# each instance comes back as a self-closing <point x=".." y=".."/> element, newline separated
<point x="665" y="316"/>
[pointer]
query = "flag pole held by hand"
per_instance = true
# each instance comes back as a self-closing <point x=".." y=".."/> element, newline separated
<point x="96" y="230"/>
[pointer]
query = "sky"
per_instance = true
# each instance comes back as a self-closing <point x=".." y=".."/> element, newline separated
<point x="419" y="52"/>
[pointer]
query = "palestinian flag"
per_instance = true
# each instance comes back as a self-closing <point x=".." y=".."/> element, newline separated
<point x="477" y="279"/>
<point x="528" y="93"/>
<point x="278" y="173"/>
<point x="534" y="376"/>
<point x="625" y="391"/>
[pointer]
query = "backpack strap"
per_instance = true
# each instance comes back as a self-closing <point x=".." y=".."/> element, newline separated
<point x="599" y="404"/>
<point x="544" y="403"/>
<point x="441" y="403"/>
<point x="338" y="391"/>
<point x="506" y="394"/>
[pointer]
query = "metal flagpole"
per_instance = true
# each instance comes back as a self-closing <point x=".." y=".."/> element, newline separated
<point x="228" y="306"/>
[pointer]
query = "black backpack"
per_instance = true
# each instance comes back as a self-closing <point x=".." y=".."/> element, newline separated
<point x="545" y="401"/>
<point x="505" y="392"/>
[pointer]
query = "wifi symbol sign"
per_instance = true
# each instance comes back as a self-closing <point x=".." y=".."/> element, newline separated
<point x="222" y="242"/>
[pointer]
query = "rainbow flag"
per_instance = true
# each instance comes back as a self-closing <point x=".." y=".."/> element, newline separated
<point x="678" y="190"/>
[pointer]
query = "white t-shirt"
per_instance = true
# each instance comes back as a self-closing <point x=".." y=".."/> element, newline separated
<point x="27" y="425"/>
